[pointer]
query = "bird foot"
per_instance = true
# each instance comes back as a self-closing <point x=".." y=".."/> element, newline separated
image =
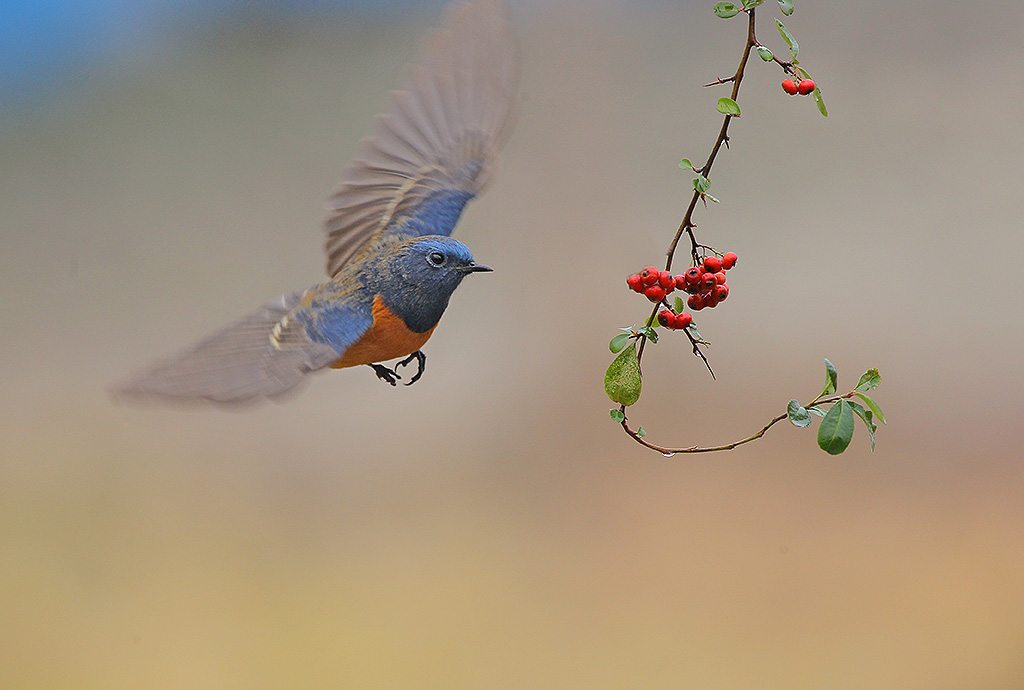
<point x="421" y="364"/>
<point x="385" y="374"/>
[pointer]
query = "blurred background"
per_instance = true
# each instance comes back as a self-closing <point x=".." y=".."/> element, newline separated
<point x="163" y="169"/>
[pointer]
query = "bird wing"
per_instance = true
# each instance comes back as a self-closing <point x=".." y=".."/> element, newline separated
<point x="264" y="355"/>
<point x="434" y="149"/>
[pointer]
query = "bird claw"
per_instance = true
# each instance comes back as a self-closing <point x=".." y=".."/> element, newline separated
<point x="385" y="374"/>
<point x="421" y="363"/>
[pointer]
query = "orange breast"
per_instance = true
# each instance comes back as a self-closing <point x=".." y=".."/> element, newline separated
<point x="388" y="338"/>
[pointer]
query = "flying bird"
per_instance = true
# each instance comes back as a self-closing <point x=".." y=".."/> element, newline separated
<point x="391" y="262"/>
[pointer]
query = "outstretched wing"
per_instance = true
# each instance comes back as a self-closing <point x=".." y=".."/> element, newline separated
<point x="435" y="148"/>
<point x="262" y="356"/>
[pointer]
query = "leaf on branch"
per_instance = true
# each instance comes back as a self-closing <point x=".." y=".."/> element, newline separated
<point x="725" y="10"/>
<point x="819" y="101"/>
<point x="641" y="432"/>
<point x="831" y="378"/>
<point x="865" y="415"/>
<point x="618" y="416"/>
<point x="728" y="106"/>
<point x="794" y="47"/>
<point x="685" y="164"/>
<point x="679" y="305"/>
<point x="873" y="406"/>
<point x="701" y="184"/>
<point x="814" y="409"/>
<point x="765" y="53"/>
<point x="836" y="429"/>
<point x="747" y="4"/>
<point x="869" y="381"/>
<point x="622" y="381"/>
<point x="619" y="342"/>
<point x="786" y="6"/>
<point x="798" y="416"/>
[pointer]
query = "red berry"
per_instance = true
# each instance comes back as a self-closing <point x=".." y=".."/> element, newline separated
<point x="693" y="275"/>
<point x="635" y="283"/>
<point x="667" y="318"/>
<point x="666" y="281"/>
<point x="729" y="260"/>
<point x="683" y="320"/>
<point x="710" y="300"/>
<point x="708" y="282"/>
<point x="805" y="87"/>
<point x="655" y="293"/>
<point x="649" y="275"/>
<point x="720" y="277"/>
<point x="720" y="293"/>
<point x="789" y="86"/>
<point x="695" y="302"/>
<point x="712" y="264"/>
<point x="680" y="282"/>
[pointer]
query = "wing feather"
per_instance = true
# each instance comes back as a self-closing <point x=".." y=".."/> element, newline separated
<point x="440" y="136"/>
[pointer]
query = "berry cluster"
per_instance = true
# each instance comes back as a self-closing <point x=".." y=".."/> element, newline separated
<point x="704" y="283"/>
<point x="803" y="87"/>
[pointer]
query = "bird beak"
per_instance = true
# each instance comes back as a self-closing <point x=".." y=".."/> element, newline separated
<point x="474" y="267"/>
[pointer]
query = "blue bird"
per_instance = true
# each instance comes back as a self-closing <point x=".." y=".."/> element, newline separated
<point x="391" y="262"/>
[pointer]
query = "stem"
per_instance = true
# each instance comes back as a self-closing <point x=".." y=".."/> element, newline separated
<point x="729" y="446"/>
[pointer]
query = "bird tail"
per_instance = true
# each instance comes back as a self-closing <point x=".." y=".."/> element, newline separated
<point x="245" y="362"/>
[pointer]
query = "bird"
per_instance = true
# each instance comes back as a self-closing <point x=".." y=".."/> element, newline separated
<point x="392" y="265"/>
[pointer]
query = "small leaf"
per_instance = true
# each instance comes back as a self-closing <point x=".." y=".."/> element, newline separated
<point x="869" y="381"/>
<point x="765" y="53"/>
<point x="728" y="106"/>
<point x="679" y="305"/>
<point x="649" y="332"/>
<point x="701" y="184"/>
<point x="794" y="47"/>
<point x="865" y="415"/>
<point x="724" y="10"/>
<point x="873" y="406"/>
<point x="618" y="416"/>
<point x="836" y="429"/>
<point x="618" y="342"/>
<point x="831" y="378"/>
<point x="798" y="416"/>
<point x="685" y="164"/>
<point x="747" y="4"/>
<point x="622" y="381"/>
<point x="641" y="432"/>
<point x="712" y="198"/>
<point x="821" y="103"/>
<point x="786" y="6"/>
<point x="814" y="409"/>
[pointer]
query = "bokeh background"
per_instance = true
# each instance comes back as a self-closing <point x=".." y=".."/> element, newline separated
<point x="162" y="171"/>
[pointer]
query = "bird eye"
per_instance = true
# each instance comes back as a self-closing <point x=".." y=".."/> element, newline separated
<point x="436" y="259"/>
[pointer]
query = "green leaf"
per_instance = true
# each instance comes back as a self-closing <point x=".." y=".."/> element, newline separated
<point x="765" y="53"/>
<point x="873" y="406"/>
<point x="814" y="409"/>
<point x="618" y="342"/>
<point x="622" y="381"/>
<point x="747" y="4"/>
<point x="641" y="432"/>
<point x="711" y="198"/>
<point x="618" y="416"/>
<point x="865" y="415"/>
<point x="794" y="47"/>
<point x="685" y="164"/>
<point x="724" y="10"/>
<point x="869" y="381"/>
<point x="679" y="304"/>
<point x="649" y="332"/>
<point x="836" y="429"/>
<point x="701" y="184"/>
<point x="728" y="106"/>
<point x="821" y="103"/>
<point x="786" y="6"/>
<point x="798" y="416"/>
<point x="831" y="378"/>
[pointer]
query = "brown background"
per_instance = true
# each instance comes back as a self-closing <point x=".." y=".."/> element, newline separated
<point x="490" y="527"/>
